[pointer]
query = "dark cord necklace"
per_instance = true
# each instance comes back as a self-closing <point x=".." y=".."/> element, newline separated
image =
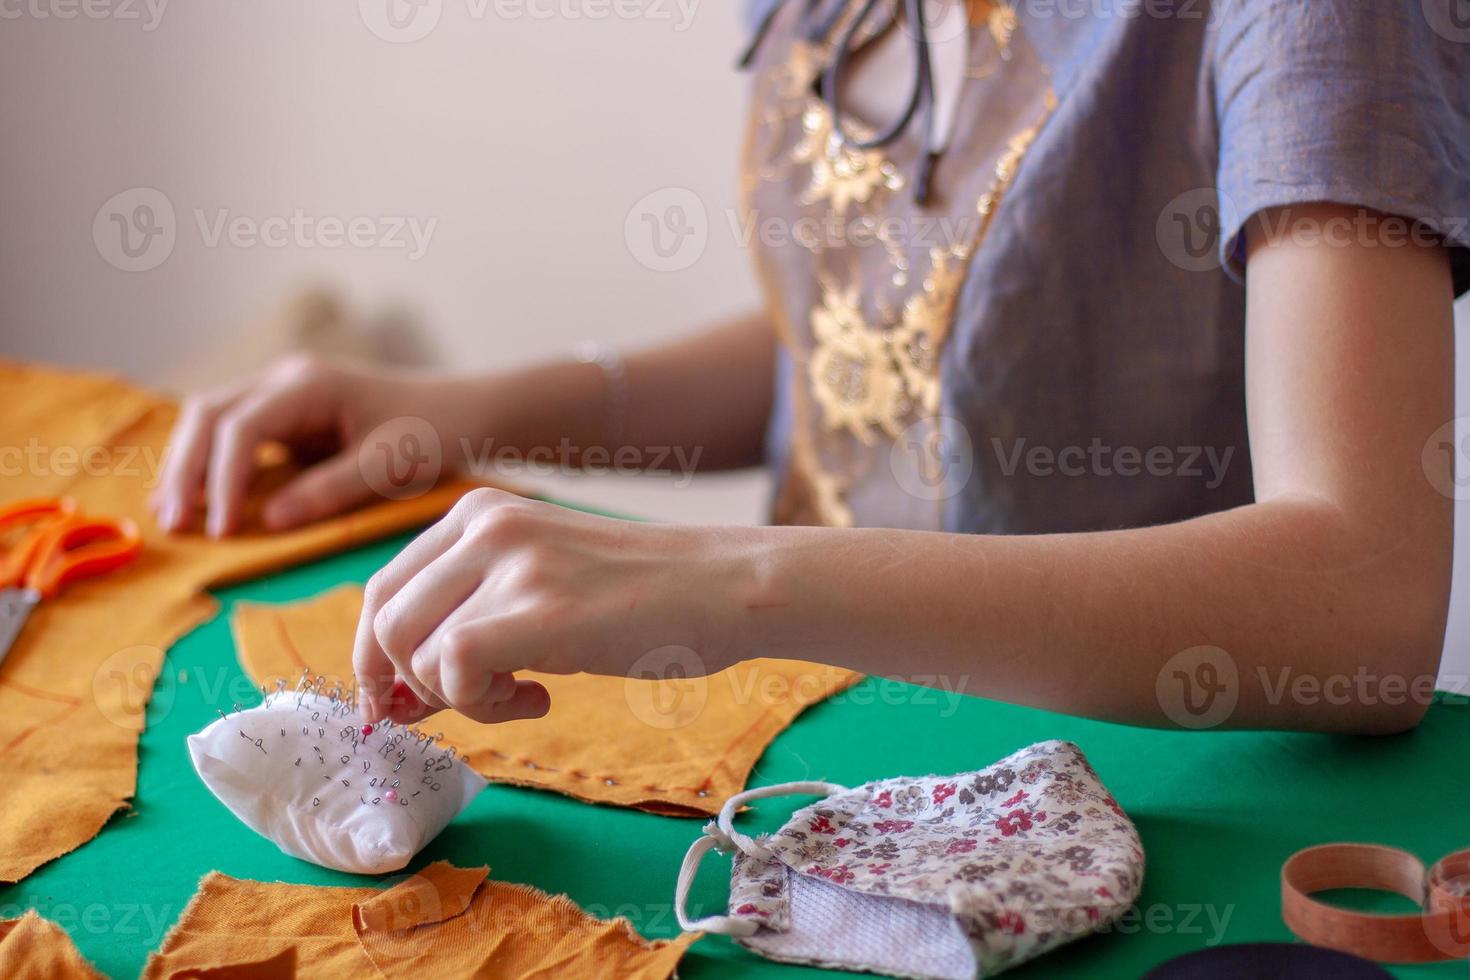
<point x="828" y="85"/>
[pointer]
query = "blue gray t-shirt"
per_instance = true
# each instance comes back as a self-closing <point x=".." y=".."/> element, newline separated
<point x="1055" y="341"/>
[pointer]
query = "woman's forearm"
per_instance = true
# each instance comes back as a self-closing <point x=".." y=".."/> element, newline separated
<point x="1323" y="624"/>
<point x="700" y="402"/>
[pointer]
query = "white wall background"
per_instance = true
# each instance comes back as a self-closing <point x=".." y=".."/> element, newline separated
<point x="525" y="139"/>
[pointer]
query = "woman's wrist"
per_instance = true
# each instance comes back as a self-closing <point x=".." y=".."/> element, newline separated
<point x="524" y="412"/>
<point x="756" y="600"/>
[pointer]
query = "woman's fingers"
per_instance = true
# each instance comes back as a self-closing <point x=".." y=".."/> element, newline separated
<point x="181" y="488"/>
<point x="430" y="618"/>
<point x="375" y="673"/>
<point x="324" y="490"/>
<point x="404" y="706"/>
<point x="272" y="412"/>
<point x="513" y="701"/>
<point x="211" y="455"/>
<point x="374" y="668"/>
<point x="469" y="662"/>
<point x="423" y="604"/>
<point x="528" y="699"/>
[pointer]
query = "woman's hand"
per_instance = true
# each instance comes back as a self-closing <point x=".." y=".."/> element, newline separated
<point x="503" y="584"/>
<point x="312" y="405"/>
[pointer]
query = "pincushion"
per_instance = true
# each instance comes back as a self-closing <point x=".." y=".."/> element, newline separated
<point x="304" y="770"/>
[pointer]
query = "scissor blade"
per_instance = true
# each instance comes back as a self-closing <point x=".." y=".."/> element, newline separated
<point x="15" y="609"/>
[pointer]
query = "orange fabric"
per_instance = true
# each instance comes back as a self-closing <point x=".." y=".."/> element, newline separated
<point x="679" y="746"/>
<point x="443" y="921"/>
<point x="33" y="948"/>
<point x="74" y="687"/>
<point x="281" y="966"/>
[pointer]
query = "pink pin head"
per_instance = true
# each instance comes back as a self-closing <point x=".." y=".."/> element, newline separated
<point x="391" y="796"/>
<point x="367" y="730"/>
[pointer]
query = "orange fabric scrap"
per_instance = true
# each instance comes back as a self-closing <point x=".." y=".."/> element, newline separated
<point x="680" y="746"/>
<point x="33" y="948"/>
<point x="442" y="921"/>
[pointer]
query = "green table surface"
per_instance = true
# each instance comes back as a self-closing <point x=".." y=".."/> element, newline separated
<point x="1218" y="813"/>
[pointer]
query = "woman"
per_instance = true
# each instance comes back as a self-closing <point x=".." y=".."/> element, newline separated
<point x="1112" y="349"/>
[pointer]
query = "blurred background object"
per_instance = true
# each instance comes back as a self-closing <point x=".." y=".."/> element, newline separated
<point x="191" y="190"/>
<point x="316" y="320"/>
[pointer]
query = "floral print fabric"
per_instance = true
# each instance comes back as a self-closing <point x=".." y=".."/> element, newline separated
<point x="1029" y="853"/>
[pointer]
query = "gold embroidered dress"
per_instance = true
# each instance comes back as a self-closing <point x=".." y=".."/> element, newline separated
<point x="864" y="288"/>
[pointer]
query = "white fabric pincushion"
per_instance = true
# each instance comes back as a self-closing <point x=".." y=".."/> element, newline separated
<point x="305" y="771"/>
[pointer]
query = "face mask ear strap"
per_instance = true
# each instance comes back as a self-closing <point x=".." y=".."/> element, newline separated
<point x="721" y="834"/>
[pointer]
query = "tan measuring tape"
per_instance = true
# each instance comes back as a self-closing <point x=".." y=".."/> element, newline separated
<point x="1441" y="931"/>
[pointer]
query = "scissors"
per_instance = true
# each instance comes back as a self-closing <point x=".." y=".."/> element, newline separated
<point x="61" y="547"/>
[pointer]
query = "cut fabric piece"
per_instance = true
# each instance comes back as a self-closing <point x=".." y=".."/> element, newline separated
<point x="678" y="745"/>
<point x="304" y="771"/>
<point x="281" y="966"/>
<point x="442" y="921"/>
<point x="74" y="687"/>
<point x="33" y="948"/>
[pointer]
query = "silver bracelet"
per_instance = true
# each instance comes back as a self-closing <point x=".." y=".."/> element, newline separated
<point x="615" y="374"/>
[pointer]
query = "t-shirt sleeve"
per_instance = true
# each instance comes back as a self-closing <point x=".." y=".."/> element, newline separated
<point x="1357" y="102"/>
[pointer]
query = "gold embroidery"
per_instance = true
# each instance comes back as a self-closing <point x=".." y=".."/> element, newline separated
<point x="827" y="498"/>
<point x="806" y="63"/>
<point x="841" y="173"/>
<point x="851" y="371"/>
<point x="999" y="18"/>
<point x="863" y="376"/>
<point x="871" y="363"/>
<point x="927" y="314"/>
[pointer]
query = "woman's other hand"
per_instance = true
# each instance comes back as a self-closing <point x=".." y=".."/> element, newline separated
<point x="317" y="407"/>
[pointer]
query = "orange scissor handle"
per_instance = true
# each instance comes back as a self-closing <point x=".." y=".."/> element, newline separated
<point x="41" y="512"/>
<point x="76" y="547"/>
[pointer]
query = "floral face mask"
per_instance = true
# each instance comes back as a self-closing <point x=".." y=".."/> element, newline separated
<point x="933" y="877"/>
